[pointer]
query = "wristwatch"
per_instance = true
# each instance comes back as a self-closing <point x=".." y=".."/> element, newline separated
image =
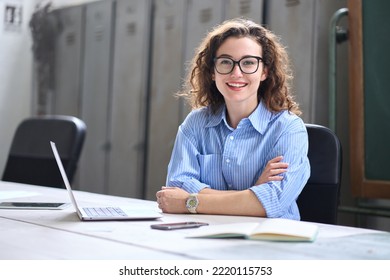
<point x="192" y="203"/>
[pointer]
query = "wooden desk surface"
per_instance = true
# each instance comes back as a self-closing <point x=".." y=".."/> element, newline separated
<point x="59" y="234"/>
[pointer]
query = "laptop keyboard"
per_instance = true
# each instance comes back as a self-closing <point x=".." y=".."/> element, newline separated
<point x="104" y="212"/>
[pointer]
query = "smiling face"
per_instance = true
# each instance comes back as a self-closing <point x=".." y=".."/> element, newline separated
<point x="239" y="89"/>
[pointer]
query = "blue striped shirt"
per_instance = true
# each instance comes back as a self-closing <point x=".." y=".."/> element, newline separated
<point x="208" y="153"/>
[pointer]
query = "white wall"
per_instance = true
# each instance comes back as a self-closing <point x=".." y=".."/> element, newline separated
<point x="16" y="65"/>
<point x="15" y="69"/>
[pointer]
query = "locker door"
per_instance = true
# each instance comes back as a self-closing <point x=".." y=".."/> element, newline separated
<point x="69" y="43"/>
<point x="95" y="95"/>
<point x="129" y="89"/>
<point x="250" y="9"/>
<point x="304" y="28"/>
<point x="167" y="65"/>
<point x="202" y="16"/>
<point x="293" y="21"/>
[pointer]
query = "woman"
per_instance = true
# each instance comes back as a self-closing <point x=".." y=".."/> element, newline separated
<point x="228" y="151"/>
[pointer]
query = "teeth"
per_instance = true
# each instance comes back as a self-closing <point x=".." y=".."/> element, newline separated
<point x="236" y="85"/>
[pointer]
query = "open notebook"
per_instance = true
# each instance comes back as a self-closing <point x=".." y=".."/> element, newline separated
<point x="101" y="213"/>
<point x="271" y="229"/>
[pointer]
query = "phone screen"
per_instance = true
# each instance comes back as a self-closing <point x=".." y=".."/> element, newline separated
<point x="33" y="205"/>
<point x="181" y="225"/>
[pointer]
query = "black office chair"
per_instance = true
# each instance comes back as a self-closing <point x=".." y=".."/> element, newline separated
<point x="31" y="159"/>
<point x="319" y="200"/>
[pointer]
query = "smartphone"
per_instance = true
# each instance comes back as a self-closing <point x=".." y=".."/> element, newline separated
<point x="181" y="225"/>
<point x="34" y="205"/>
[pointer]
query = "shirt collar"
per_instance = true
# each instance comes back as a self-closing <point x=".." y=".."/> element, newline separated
<point x="259" y="118"/>
<point x="215" y="119"/>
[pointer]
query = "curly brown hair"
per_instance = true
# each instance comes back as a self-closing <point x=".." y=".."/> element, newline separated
<point x="201" y="90"/>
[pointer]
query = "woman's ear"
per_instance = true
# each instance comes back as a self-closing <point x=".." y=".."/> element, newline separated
<point x="264" y="74"/>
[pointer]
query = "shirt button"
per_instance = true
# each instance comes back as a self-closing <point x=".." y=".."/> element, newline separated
<point x="231" y="138"/>
<point x="228" y="161"/>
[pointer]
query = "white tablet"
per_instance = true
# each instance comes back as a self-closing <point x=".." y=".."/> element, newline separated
<point x="34" y="205"/>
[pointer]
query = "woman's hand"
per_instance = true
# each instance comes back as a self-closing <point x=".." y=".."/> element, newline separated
<point x="272" y="171"/>
<point x="172" y="200"/>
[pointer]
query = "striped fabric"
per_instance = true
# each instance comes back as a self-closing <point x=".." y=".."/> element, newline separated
<point x="208" y="153"/>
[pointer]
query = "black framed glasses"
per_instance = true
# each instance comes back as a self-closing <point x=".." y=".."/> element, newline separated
<point x="248" y="64"/>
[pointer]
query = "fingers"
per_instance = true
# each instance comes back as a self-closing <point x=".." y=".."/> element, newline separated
<point x="271" y="171"/>
<point x="274" y="165"/>
<point x="172" y="200"/>
<point x="167" y="197"/>
<point x="160" y="198"/>
<point x="160" y="195"/>
<point x="275" y="159"/>
<point x="275" y="171"/>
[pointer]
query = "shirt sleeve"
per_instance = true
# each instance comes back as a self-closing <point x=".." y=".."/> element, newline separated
<point x="279" y="197"/>
<point x="183" y="168"/>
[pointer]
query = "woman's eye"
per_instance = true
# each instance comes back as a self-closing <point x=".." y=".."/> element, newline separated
<point x="248" y="62"/>
<point x="226" y="62"/>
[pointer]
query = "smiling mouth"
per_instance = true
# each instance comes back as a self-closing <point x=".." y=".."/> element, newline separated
<point x="236" y="85"/>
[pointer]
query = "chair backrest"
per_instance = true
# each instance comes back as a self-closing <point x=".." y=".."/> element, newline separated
<point x="319" y="200"/>
<point x="31" y="160"/>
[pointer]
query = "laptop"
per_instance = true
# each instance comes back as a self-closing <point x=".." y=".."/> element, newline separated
<point x="102" y="213"/>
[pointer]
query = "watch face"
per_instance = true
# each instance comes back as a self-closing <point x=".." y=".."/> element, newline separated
<point x="192" y="202"/>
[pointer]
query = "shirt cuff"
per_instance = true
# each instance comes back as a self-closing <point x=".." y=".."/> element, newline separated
<point x="193" y="186"/>
<point x="269" y="200"/>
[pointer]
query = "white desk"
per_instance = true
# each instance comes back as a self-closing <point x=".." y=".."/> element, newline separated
<point x="59" y="234"/>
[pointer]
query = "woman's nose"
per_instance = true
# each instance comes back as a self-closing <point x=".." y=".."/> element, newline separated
<point x="236" y="70"/>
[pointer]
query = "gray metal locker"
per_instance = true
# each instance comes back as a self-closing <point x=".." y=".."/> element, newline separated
<point x="167" y="67"/>
<point x="294" y="22"/>
<point x="96" y="95"/>
<point x="202" y="16"/>
<point x="303" y="26"/>
<point x="129" y="91"/>
<point x="68" y="63"/>
<point x="250" y="9"/>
